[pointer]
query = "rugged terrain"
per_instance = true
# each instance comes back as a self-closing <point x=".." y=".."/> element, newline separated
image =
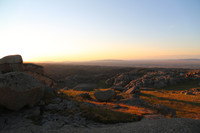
<point x="80" y="98"/>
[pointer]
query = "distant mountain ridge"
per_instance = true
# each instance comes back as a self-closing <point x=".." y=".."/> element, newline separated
<point x="167" y="63"/>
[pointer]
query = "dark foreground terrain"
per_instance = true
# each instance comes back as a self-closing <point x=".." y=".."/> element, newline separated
<point x="78" y="98"/>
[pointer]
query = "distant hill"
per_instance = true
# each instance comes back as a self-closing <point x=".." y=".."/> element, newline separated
<point x="170" y="63"/>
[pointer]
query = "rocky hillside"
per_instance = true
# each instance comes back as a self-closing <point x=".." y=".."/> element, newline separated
<point x="153" y="78"/>
<point x="36" y="98"/>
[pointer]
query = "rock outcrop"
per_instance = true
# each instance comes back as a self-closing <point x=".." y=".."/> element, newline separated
<point x="153" y="77"/>
<point x="133" y="90"/>
<point x="104" y="95"/>
<point x="18" y="89"/>
<point x="14" y="63"/>
<point x="11" y="63"/>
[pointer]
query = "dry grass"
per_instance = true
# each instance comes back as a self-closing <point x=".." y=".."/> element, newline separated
<point x="98" y="114"/>
<point x="187" y="106"/>
<point x="109" y="105"/>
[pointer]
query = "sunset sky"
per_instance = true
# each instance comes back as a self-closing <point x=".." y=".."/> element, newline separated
<point x="83" y="30"/>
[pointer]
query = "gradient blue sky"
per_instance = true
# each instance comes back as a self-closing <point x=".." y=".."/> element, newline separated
<point x="81" y="30"/>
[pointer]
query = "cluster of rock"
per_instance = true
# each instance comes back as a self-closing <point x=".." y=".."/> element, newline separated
<point x="152" y="78"/>
<point x="25" y="93"/>
<point x="46" y="116"/>
<point x="22" y="85"/>
<point x="14" y="63"/>
<point x="193" y="91"/>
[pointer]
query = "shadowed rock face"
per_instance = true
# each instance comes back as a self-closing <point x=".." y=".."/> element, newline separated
<point x="18" y="89"/>
<point x="11" y="63"/>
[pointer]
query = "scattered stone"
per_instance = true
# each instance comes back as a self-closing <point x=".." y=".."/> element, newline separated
<point x="193" y="91"/>
<point x="104" y="95"/>
<point x="189" y="93"/>
<point x="33" y="112"/>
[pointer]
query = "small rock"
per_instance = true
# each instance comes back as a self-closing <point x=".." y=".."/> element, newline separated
<point x="189" y="93"/>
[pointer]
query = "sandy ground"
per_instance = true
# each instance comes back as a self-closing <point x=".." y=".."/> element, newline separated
<point x="172" y="125"/>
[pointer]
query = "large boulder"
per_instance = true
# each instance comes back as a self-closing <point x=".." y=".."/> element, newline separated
<point x="104" y="96"/>
<point x="11" y="59"/>
<point x="18" y="89"/>
<point x="11" y="63"/>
